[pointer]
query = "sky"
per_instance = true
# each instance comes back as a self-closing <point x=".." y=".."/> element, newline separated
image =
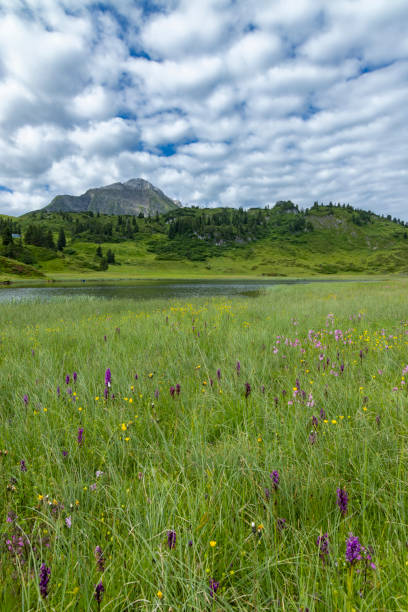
<point x="216" y="102"/>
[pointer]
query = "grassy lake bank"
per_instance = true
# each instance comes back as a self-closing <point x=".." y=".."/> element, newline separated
<point x="171" y="469"/>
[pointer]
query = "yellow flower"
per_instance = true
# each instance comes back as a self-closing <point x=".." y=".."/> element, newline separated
<point x="97" y="398"/>
<point x="213" y="543"/>
<point x="159" y="594"/>
<point x="151" y="375"/>
<point x="131" y="388"/>
<point x="259" y="439"/>
<point x="334" y="421"/>
<point x="40" y="497"/>
<point x="123" y="427"/>
<point x="45" y="409"/>
<point x="365" y="408"/>
<point x="80" y="409"/>
<point x="127" y="439"/>
<point x="130" y="400"/>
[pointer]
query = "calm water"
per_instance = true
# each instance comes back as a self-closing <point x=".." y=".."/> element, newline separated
<point x="145" y="289"/>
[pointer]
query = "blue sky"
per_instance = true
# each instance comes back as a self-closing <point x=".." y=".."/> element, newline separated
<point x="216" y="102"/>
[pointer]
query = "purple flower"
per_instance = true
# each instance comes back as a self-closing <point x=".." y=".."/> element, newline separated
<point x="353" y="549"/>
<point x="247" y="389"/>
<point x="342" y="500"/>
<point x="99" y="591"/>
<point x="312" y="437"/>
<point x="171" y="539"/>
<point x="23" y="466"/>
<point x="11" y="517"/>
<point x="105" y="338"/>
<point x="136" y="377"/>
<point x="108" y="377"/>
<point x="99" y="558"/>
<point x="58" y="391"/>
<point x="315" y="421"/>
<point x="92" y="487"/>
<point x="80" y="435"/>
<point x="281" y="522"/>
<point x="323" y="546"/>
<point x="238" y="367"/>
<point x="74" y="377"/>
<point x="172" y="391"/>
<point x="64" y="453"/>
<point x="67" y="379"/>
<point x="274" y="476"/>
<point x="45" y="574"/>
<point x="178" y="389"/>
<point x="190" y="543"/>
<point x="262" y="388"/>
<point x="68" y="522"/>
<point x="156" y="394"/>
<point x="106" y="392"/>
<point x="219" y="374"/>
<point x="25" y="399"/>
<point x="98" y="473"/>
<point x="323" y="414"/>
<point x="213" y="587"/>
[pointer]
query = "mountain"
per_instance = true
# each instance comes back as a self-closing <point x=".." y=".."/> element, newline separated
<point x="130" y="198"/>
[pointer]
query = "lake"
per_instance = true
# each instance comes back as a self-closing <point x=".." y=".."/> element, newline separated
<point x="145" y="290"/>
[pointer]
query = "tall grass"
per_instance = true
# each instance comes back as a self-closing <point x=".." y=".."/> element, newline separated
<point x="199" y="462"/>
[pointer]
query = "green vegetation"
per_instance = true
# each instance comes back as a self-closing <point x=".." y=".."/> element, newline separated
<point x="195" y="242"/>
<point x="283" y="399"/>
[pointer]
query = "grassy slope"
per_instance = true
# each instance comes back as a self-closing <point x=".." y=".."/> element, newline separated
<point x="336" y="246"/>
<point x="200" y="464"/>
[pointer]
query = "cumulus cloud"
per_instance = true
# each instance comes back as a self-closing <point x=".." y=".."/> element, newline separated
<point x="214" y="101"/>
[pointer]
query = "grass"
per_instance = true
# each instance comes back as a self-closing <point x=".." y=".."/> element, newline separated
<point x="199" y="463"/>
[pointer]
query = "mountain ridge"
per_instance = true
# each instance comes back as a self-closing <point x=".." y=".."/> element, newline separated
<point x="133" y="197"/>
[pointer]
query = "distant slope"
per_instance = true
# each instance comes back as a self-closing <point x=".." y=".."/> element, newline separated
<point x="130" y="198"/>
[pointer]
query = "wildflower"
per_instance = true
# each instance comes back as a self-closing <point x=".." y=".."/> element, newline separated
<point x="74" y="377"/>
<point x="159" y="593"/>
<point x="275" y="479"/>
<point x="190" y="543"/>
<point x="219" y="374"/>
<point x="281" y="522"/>
<point x="171" y="539"/>
<point x="23" y="466"/>
<point x="315" y="421"/>
<point x="67" y="379"/>
<point x="45" y="573"/>
<point x="25" y="399"/>
<point x="11" y="517"/>
<point x="353" y="549"/>
<point x="322" y="414"/>
<point x="238" y="367"/>
<point x="213" y="587"/>
<point x="267" y="493"/>
<point x="342" y="501"/>
<point x="68" y="522"/>
<point x="108" y="378"/>
<point x="378" y="420"/>
<point x="312" y="437"/>
<point x="99" y="558"/>
<point x="92" y="487"/>
<point x="247" y="389"/>
<point x="80" y="435"/>
<point x="213" y="543"/>
<point x="172" y="391"/>
<point x="64" y="453"/>
<point x="178" y="389"/>
<point x="98" y="473"/>
<point x="58" y="391"/>
<point x="99" y="591"/>
<point x="323" y="546"/>
<point x="156" y="394"/>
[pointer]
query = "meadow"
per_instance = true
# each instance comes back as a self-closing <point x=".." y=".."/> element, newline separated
<point x="241" y="454"/>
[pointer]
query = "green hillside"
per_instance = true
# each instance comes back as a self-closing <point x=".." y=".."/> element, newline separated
<point x="196" y="242"/>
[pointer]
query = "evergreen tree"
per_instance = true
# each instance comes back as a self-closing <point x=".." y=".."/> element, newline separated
<point x="110" y="257"/>
<point x="99" y="252"/>
<point x="61" y="240"/>
<point x="6" y="235"/>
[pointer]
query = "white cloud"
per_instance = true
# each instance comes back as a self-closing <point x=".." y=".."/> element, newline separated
<point x="300" y="99"/>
